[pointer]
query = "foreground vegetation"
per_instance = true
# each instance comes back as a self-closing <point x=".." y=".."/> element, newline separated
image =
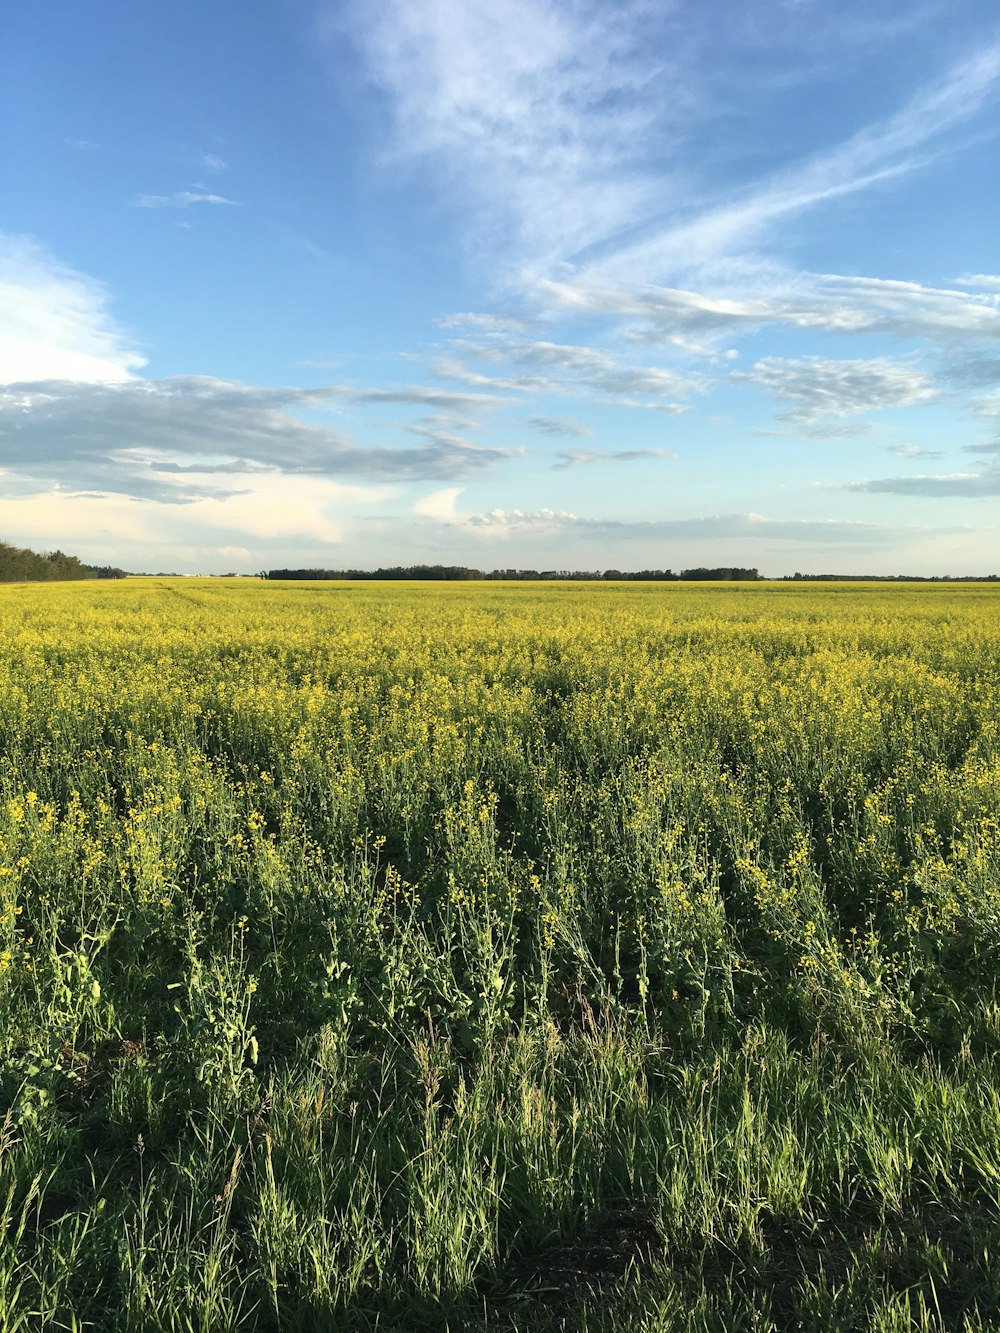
<point x="499" y="957"/>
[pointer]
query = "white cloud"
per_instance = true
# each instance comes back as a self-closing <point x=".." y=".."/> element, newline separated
<point x="78" y="520"/>
<point x="273" y="506"/>
<point x="647" y="405"/>
<point x="121" y="527"/>
<point x="913" y="451"/>
<point x="579" y="457"/>
<point x="211" y="162"/>
<point x="819" y="388"/>
<point x="183" y="199"/>
<point x="504" y="523"/>
<point x="560" y="426"/>
<point x="55" y="323"/>
<point x="439" y="505"/>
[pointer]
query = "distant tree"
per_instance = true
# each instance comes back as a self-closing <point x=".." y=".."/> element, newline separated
<point x="724" y="574"/>
<point x="19" y="564"/>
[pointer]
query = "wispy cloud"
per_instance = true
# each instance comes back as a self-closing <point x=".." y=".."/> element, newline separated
<point x="56" y="323"/>
<point x="451" y="443"/>
<point x="450" y="421"/>
<point x="560" y="426"/>
<point x="818" y="428"/>
<point x="563" y="135"/>
<point x="181" y="438"/>
<point x="824" y="303"/>
<point x="819" y="388"/>
<point x="965" y="485"/>
<point x="581" y="457"/>
<point x="418" y="395"/>
<point x="484" y="323"/>
<point x="588" y="368"/>
<point x="987" y="282"/>
<point x="502" y="524"/>
<point x="449" y="369"/>
<point x="913" y="451"/>
<point x="976" y="371"/>
<point x="538" y="107"/>
<point x="183" y="199"/>
<point x="211" y="162"/>
<point x="883" y="151"/>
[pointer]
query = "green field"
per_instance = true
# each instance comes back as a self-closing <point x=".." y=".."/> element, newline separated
<point x="499" y="956"/>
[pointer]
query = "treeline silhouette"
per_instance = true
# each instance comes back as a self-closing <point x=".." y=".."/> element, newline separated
<point x="400" y="573"/>
<point x="19" y="565"/>
<point x="890" y="578"/>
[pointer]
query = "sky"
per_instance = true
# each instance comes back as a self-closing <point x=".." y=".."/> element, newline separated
<point x="552" y="284"/>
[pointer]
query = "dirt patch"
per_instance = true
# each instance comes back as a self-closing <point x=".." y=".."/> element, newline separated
<point x="83" y="1071"/>
<point x="563" y="1274"/>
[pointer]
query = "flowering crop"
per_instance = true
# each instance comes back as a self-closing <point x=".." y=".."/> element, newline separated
<point x="357" y="938"/>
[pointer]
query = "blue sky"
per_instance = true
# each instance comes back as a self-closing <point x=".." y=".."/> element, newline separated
<point x="554" y="285"/>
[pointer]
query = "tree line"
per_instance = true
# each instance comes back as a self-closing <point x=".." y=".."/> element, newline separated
<point x="890" y="578"/>
<point x="20" y="565"/>
<point x="400" y="573"/>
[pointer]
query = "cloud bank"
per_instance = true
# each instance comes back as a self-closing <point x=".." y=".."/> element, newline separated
<point x="179" y="438"/>
<point x="502" y="524"/>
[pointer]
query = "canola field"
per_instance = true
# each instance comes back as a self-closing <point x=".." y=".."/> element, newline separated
<point x="499" y="956"/>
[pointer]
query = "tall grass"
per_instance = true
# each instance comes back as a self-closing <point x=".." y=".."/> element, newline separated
<point x="597" y="958"/>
